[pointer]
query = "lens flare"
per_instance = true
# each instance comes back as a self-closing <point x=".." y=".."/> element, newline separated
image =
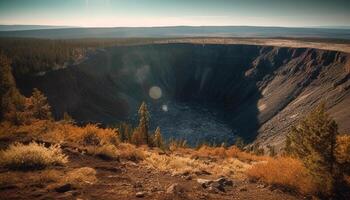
<point x="155" y="92"/>
<point x="165" y="108"/>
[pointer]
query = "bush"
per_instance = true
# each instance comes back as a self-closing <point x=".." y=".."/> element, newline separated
<point x="230" y="152"/>
<point x="107" y="151"/>
<point x="284" y="172"/>
<point x="130" y="152"/>
<point x="32" y="156"/>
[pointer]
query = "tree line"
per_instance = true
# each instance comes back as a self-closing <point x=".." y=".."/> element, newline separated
<point x="30" y="56"/>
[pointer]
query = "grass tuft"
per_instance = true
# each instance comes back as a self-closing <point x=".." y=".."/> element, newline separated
<point x="32" y="156"/>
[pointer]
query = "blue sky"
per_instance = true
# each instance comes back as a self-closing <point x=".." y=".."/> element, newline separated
<point x="113" y="13"/>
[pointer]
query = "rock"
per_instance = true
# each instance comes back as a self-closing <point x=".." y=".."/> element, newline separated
<point x="217" y="185"/>
<point x="140" y="194"/>
<point x="224" y="181"/>
<point x="243" y="189"/>
<point x="64" y="188"/>
<point x="204" y="182"/>
<point x="261" y="186"/>
<point x="173" y="189"/>
<point x="212" y="189"/>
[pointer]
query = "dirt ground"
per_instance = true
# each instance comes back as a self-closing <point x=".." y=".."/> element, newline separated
<point x="123" y="180"/>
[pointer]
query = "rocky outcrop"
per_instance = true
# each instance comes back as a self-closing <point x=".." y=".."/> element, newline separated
<point x="259" y="91"/>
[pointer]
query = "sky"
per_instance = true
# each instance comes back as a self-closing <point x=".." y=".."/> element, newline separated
<point x="146" y="13"/>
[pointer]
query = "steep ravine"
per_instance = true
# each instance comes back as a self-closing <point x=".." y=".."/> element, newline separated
<point x="208" y="92"/>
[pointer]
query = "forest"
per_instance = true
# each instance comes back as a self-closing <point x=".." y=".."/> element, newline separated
<point x="31" y="56"/>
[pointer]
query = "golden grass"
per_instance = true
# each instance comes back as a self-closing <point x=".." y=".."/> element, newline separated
<point x="59" y="132"/>
<point x="230" y="152"/>
<point x="284" y="172"/>
<point x="179" y="164"/>
<point x="107" y="151"/>
<point x="32" y="156"/>
<point x="80" y="176"/>
<point x="130" y="152"/>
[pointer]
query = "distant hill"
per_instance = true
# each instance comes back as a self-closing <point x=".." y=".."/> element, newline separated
<point x="180" y="31"/>
<point x="28" y="27"/>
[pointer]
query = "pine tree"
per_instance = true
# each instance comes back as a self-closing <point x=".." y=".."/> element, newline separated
<point x="12" y="102"/>
<point x="239" y="142"/>
<point x="125" y="132"/>
<point x="158" y="139"/>
<point x="67" y="118"/>
<point x="143" y="126"/>
<point x="38" y="106"/>
<point x="137" y="138"/>
<point x="314" y="142"/>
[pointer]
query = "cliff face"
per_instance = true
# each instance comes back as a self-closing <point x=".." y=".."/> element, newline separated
<point x="258" y="91"/>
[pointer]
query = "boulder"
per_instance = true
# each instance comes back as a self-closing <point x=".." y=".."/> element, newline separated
<point x="140" y="194"/>
<point x="204" y="182"/>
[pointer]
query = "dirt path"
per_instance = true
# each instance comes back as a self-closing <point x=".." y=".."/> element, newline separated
<point x="123" y="180"/>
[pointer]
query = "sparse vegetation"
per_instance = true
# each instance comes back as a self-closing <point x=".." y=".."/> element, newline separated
<point x="106" y="151"/>
<point x="284" y="172"/>
<point x="32" y="156"/>
<point x="314" y="141"/>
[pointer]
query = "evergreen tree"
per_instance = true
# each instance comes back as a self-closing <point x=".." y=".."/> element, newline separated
<point x="137" y="138"/>
<point x="67" y="118"/>
<point x="125" y="132"/>
<point x="143" y="126"/>
<point x="314" y="142"/>
<point x="12" y="102"/>
<point x="38" y="106"/>
<point x="158" y="139"/>
<point x="239" y="142"/>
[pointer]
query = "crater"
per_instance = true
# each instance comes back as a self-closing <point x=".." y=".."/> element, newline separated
<point x="200" y="93"/>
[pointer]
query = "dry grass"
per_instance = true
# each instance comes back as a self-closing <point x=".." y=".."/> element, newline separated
<point x="178" y="164"/>
<point x="59" y="132"/>
<point x="106" y="152"/>
<point x="130" y="152"/>
<point x="284" y="172"/>
<point x="32" y="156"/>
<point x="231" y="152"/>
<point x="174" y="164"/>
<point x="80" y="176"/>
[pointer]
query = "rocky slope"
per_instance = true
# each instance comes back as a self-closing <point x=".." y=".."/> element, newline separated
<point x="257" y="91"/>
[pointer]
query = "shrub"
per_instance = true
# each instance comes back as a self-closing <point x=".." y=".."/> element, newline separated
<point x="231" y="152"/>
<point x="130" y="152"/>
<point x="107" y="151"/>
<point x="32" y="156"/>
<point x="284" y="172"/>
<point x="91" y="134"/>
